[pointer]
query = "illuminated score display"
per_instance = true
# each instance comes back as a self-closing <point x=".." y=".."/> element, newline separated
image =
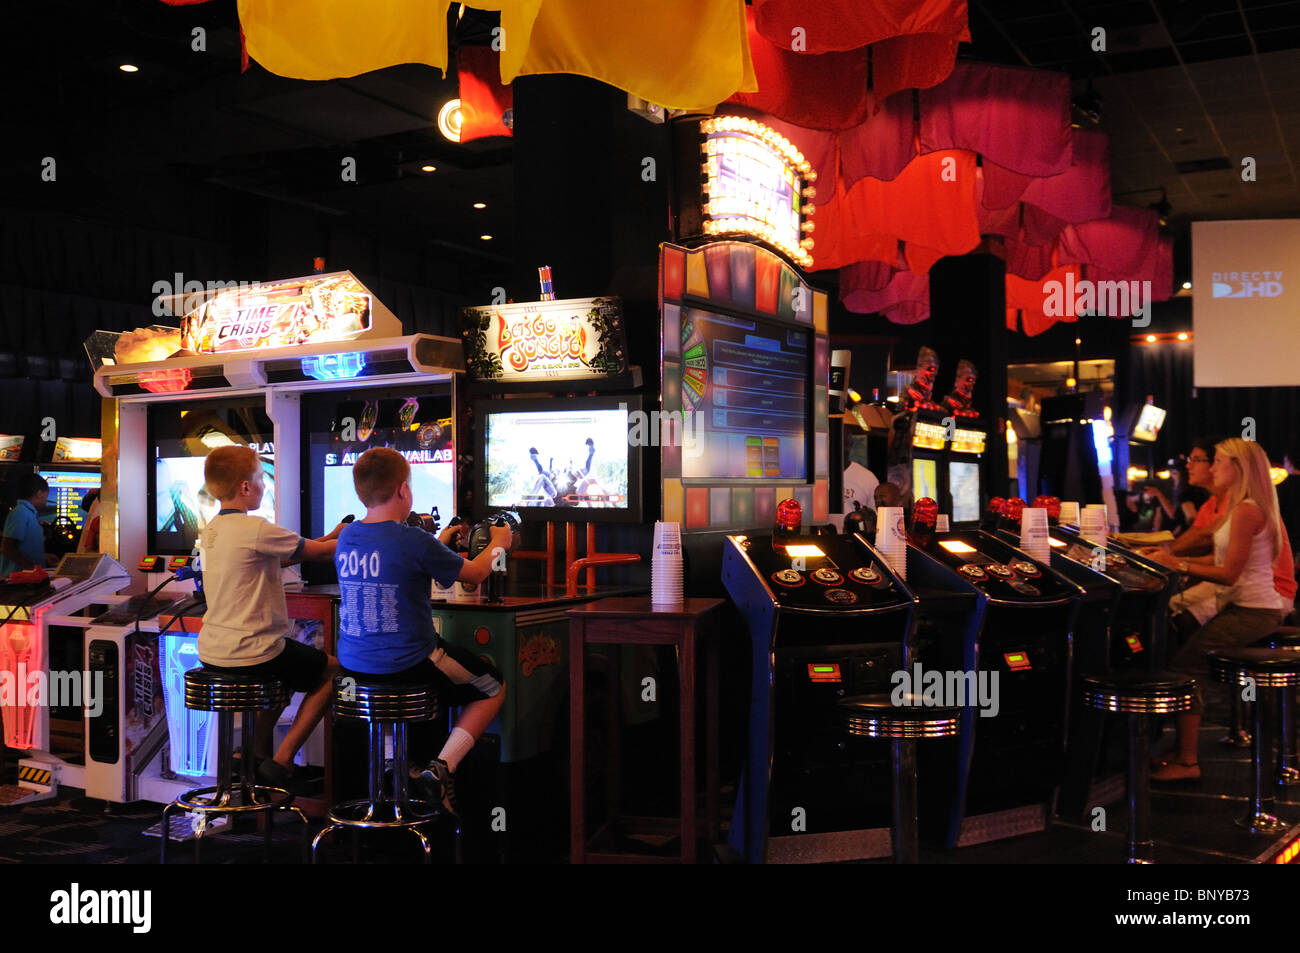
<point x="758" y="184"/>
<point x="929" y="436"/>
<point x="968" y="441"/>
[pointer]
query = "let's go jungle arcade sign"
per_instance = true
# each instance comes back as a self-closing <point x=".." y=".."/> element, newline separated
<point x="545" y="340"/>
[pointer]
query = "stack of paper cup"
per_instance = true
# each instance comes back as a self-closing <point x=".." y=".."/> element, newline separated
<point x="1033" y="534"/>
<point x="666" y="566"/>
<point x="941" y="523"/>
<point x="1069" y="514"/>
<point x="1092" y="523"/>
<point x="891" y="539"/>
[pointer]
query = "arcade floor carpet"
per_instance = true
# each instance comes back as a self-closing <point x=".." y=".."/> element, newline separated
<point x="1192" y="824"/>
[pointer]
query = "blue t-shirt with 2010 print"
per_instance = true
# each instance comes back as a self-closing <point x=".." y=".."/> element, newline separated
<point x="385" y="616"/>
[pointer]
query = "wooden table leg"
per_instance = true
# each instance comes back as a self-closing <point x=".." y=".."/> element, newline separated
<point x="686" y="664"/>
<point x="577" y="721"/>
<point x="711" y="739"/>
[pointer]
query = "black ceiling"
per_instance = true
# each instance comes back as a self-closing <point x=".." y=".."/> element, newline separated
<point x="1187" y="90"/>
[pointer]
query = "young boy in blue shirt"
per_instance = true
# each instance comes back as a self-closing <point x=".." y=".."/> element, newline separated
<point x="385" y="570"/>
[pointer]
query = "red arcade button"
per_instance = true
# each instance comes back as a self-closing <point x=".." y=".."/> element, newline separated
<point x="482" y="635"/>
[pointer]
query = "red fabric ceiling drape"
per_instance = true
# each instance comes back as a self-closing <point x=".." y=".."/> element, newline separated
<point x="484" y="102"/>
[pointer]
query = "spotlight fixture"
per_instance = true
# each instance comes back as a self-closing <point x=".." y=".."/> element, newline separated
<point x="486" y="238"/>
<point x="480" y="205"/>
<point x="1088" y="107"/>
<point x="449" y="120"/>
<point x="1162" y="208"/>
<point x="428" y="168"/>
<point x="129" y="68"/>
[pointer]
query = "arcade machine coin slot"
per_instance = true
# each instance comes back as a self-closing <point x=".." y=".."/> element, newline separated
<point x="827" y="619"/>
<point x="1008" y="655"/>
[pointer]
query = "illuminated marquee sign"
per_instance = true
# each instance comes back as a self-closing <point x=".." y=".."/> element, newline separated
<point x="968" y="441"/>
<point x="758" y="184"/>
<point x="314" y="310"/>
<point x="541" y="340"/>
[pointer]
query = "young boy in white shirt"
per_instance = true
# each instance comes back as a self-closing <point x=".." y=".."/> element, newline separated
<point x="246" y="620"/>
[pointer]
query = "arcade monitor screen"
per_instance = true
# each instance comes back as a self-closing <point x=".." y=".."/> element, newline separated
<point x="416" y="423"/>
<point x="1150" y="419"/>
<point x="745" y="398"/>
<point x="181" y="437"/>
<point x="67" y="487"/>
<point x="925" y="478"/>
<point x="964" y="485"/>
<point x="572" y="459"/>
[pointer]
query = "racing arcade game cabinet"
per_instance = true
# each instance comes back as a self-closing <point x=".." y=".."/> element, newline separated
<point x="236" y="371"/>
<point x="557" y="410"/>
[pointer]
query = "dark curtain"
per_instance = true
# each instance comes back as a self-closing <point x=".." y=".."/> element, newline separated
<point x="1164" y="371"/>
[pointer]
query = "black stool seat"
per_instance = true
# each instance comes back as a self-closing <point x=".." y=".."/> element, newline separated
<point x="1284" y="637"/>
<point x="206" y="690"/>
<point x="1276" y="668"/>
<point x="388" y="707"/>
<point x="1134" y="692"/>
<point x="227" y="694"/>
<point x="364" y="699"/>
<point x="876" y="716"/>
<point x="1266" y="668"/>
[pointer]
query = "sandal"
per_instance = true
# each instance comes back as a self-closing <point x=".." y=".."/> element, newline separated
<point x="1175" y="772"/>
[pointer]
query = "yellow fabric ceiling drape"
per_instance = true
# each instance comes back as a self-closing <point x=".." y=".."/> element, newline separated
<point x="681" y="54"/>
<point x="326" y="39"/>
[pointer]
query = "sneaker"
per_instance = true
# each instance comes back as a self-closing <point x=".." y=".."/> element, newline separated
<point x="437" y="785"/>
<point x="273" y="774"/>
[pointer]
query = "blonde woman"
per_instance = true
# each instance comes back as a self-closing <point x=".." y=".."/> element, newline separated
<point x="1248" y="536"/>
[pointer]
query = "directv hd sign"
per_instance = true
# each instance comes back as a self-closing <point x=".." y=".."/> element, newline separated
<point x="1246" y="284"/>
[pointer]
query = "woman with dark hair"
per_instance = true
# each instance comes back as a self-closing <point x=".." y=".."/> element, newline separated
<point x="1179" y="512"/>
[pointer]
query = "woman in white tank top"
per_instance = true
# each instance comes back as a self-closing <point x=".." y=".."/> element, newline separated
<point x="1247" y="539"/>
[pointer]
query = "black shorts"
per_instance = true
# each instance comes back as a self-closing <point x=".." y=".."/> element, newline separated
<point x="459" y="675"/>
<point x="300" y="667"/>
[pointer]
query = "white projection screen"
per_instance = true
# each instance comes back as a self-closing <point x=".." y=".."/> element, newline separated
<point x="1246" y="303"/>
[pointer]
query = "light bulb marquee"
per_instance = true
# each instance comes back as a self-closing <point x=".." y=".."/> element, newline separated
<point x="757" y="183"/>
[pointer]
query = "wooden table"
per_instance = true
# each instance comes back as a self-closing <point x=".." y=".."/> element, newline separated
<point x="631" y="620"/>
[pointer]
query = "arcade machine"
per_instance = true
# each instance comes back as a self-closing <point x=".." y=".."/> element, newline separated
<point x="745" y="382"/>
<point x="557" y="414"/>
<point x="69" y="483"/>
<point x="239" y="370"/>
<point x="919" y="436"/>
<point x="1016" y="637"/>
<point x="1075" y="460"/>
<point x="1123" y="615"/>
<point x="43" y="701"/>
<point x="827" y="618"/>
<point x="1136" y="433"/>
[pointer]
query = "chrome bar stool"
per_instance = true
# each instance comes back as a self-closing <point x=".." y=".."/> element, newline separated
<point x="1265" y="668"/>
<point x="876" y="716"/>
<point x="225" y="694"/>
<point x="1287" y="639"/>
<point x="387" y="708"/>
<point x="1139" y="695"/>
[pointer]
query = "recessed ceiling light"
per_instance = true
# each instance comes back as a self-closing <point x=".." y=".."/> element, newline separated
<point x="1187" y="286"/>
<point x="428" y="168"/>
<point x="480" y="205"/>
<point x="128" y="68"/>
<point x="486" y="238"/>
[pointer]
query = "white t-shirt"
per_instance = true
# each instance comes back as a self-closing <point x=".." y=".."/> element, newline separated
<point x="860" y="485"/>
<point x="247" y="618"/>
